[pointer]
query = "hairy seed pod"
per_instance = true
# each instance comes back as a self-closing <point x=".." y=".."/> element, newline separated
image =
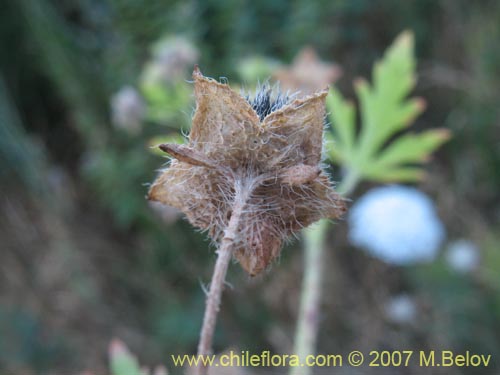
<point x="275" y="157"/>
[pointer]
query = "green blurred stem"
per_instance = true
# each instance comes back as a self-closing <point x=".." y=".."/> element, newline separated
<point x="348" y="183"/>
<point x="307" y="324"/>
<point x="310" y="298"/>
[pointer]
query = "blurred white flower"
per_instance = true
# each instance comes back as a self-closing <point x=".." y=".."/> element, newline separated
<point x="401" y="309"/>
<point x="396" y="224"/>
<point x="462" y="256"/>
<point x="127" y="109"/>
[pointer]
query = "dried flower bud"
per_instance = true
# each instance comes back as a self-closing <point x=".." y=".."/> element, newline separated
<point x="171" y="57"/>
<point x="127" y="109"/>
<point x="300" y="174"/>
<point x="277" y="158"/>
<point x="307" y="73"/>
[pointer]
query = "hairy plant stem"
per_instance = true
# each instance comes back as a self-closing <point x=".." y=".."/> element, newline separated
<point x="224" y="255"/>
<point x="310" y="297"/>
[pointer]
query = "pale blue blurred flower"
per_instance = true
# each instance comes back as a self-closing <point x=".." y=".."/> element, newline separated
<point x="396" y="224"/>
<point x="462" y="256"/>
<point x="401" y="309"/>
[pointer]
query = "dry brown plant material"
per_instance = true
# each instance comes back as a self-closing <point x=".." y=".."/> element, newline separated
<point x="307" y="73"/>
<point x="250" y="183"/>
<point x="274" y="163"/>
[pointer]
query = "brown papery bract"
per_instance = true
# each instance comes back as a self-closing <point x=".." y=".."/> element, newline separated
<point x="276" y="161"/>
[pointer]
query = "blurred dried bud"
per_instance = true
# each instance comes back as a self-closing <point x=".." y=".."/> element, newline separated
<point x="307" y="73"/>
<point x="272" y="150"/>
<point x="171" y="58"/>
<point x="127" y="109"/>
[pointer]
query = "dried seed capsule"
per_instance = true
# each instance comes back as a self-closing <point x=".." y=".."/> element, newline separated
<point x="276" y="160"/>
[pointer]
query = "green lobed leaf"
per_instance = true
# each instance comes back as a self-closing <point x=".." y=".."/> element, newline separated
<point x="383" y="108"/>
<point x="333" y="151"/>
<point x="343" y="116"/>
<point x="384" y="111"/>
<point x="400" y="174"/>
<point x="394" y="76"/>
<point x="412" y="148"/>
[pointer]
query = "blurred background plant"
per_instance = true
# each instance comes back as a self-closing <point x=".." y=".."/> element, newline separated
<point x="87" y="86"/>
<point x="396" y="224"/>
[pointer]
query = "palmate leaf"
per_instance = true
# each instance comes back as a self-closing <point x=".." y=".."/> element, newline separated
<point x="384" y="111"/>
<point x="412" y="148"/>
<point x="343" y="116"/>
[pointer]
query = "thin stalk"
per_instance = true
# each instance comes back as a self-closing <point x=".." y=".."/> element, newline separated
<point x="348" y="183"/>
<point x="310" y="297"/>
<point x="224" y="255"/>
<point x="307" y="323"/>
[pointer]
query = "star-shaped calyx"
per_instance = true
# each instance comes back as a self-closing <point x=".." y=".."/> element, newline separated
<point x="307" y="73"/>
<point x="269" y="168"/>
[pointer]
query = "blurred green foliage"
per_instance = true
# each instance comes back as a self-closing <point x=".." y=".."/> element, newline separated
<point x="19" y="156"/>
<point x="25" y="340"/>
